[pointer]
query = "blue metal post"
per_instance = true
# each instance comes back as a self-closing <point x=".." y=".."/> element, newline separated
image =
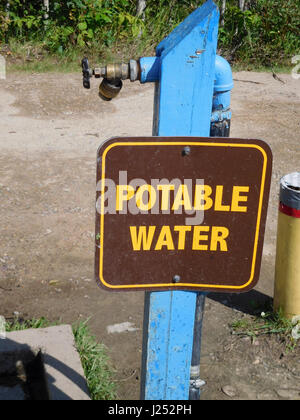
<point x="183" y="107"/>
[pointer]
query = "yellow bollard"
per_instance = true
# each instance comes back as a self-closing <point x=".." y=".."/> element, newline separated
<point x="287" y="271"/>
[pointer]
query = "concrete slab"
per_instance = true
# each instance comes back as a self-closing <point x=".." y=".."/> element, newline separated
<point x="63" y="371"/>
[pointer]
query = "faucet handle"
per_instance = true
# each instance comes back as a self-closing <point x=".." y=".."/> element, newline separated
<point x="86" y="72"/>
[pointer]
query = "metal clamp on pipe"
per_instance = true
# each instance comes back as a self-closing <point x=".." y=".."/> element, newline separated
<point x="112" y="74"/>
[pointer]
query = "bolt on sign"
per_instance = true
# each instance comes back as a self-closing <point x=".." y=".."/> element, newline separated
<point x="181" y="213"/>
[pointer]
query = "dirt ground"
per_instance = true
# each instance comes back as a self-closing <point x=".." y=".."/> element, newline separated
<point x="50" y="131"/>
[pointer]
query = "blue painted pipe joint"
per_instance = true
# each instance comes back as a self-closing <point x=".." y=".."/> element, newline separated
<point x="222" y="90"/>
<point x="223" y="75"/>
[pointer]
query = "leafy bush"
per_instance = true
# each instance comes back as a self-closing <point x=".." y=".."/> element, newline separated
<point x="266" y="32"/>
<point x="162" y="16"/>
<point x="20" y="19"/>
<point x="70" y="23"/>
<point x="278" y="35"/>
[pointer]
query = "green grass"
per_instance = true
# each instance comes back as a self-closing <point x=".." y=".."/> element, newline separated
<point x="95" y="363"/>
<point x="284" y="69"/>
<point x="32" y="57"/>
<point x="93" y="355"/>
<point x="71" y="62"/>
<point x="18" y="325"/>
<point x="51" y="65"/>
<point x="267" y="323"/>
<point x="58" y="64"/>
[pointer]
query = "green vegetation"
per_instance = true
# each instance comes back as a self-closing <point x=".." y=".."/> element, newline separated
<point x="266" y="34"/>
<point x="268" y="323"/>
<point x="18" y="325"/>
<point x="258" y="33"/>
<point x="95" y="363"/>
<point x="93" y="356"/>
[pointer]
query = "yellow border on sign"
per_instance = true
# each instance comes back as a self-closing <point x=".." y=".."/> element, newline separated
<point x="179" y="286"/>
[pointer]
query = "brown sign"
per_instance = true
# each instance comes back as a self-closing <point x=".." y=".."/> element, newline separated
<point x="181" y="213"/>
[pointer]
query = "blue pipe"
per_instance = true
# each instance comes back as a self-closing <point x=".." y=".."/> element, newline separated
<point x="223" y="76"/>
<point x="222" y="90"/>
<point x="150" y="72"/>
<point x="150" y="69"/>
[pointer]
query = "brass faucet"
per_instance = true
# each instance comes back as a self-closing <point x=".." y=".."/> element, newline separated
<point x="112" y="75"/>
